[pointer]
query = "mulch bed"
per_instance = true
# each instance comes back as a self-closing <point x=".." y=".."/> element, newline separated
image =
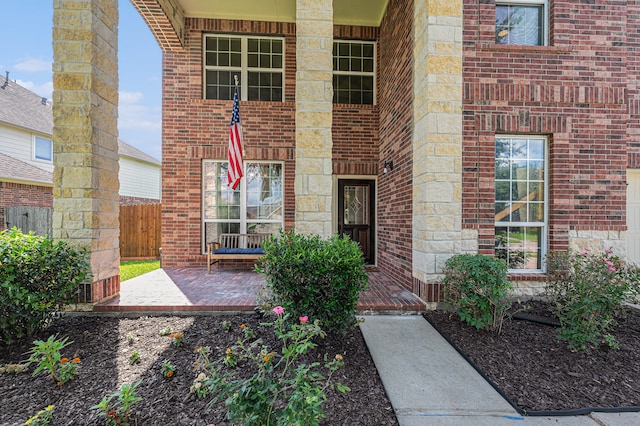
<point x="538" y="373"/>
<point x="104" y="349"/>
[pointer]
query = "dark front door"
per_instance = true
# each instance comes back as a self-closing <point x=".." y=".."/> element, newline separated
<point x="356" y="214"/>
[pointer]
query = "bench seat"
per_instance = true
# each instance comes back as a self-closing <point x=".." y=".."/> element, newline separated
<point x="235" y="247"/>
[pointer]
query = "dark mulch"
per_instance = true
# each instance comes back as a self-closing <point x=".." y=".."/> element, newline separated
<point x="102" y="344"/>
<point x="536" y="370"/>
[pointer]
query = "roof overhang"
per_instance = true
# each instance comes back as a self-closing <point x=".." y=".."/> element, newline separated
<point x="166" y="18"/>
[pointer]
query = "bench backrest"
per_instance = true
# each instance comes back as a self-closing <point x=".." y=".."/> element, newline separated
<point x="242" y="240"/>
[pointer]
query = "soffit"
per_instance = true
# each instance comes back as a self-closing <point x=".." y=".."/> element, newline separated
<point x="345" y="12"/>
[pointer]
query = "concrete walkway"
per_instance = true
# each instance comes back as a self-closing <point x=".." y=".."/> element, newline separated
<point x="429" y="383"/>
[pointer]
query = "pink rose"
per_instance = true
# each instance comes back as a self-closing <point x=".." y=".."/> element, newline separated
<point x="304" y="319"/>
<point x="278" y="310"/>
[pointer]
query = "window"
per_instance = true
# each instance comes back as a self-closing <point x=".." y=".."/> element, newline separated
<point x="257" y="61"/>
<point x="520" y="204"/>
<point x="521" y="22"/>
<point x="354" y="72"/>
<point x="256" y="206"/>
<point x="42" y="149"/>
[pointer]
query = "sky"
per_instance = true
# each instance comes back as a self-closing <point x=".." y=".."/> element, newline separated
<point x="26" y="52"/>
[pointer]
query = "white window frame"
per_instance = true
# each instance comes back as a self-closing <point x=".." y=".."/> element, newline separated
<point x="544" y="225"/>
<point x="243" y="70"/>
<point x="362" y="73"/>
<point x="35" y="155"/>
<point x="243" y="200"/>
<point x="545" y="15"/>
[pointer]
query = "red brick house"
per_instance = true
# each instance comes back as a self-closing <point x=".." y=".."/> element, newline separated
<point x="421" y="128"/>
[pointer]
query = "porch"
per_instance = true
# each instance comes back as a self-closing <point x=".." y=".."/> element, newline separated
<point x="184" y="290"/>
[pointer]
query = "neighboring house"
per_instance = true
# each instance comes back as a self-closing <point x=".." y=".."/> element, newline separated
<point x="507" y="128"/>
<point x="26" y="156"/>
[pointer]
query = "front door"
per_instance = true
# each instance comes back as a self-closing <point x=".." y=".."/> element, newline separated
<point x="356" y="214"/>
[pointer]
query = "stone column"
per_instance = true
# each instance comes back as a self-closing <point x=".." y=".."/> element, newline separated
<point x="437" y="138"/>
<point x="314" y="105"/>
<point x="85" y="137"/>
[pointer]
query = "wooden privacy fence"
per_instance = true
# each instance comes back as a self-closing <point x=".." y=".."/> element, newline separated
<point x="140" y="231"/>
<point x="29" y="219"/>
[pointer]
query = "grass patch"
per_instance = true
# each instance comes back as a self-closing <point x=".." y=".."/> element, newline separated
<point x="133" y="268"/>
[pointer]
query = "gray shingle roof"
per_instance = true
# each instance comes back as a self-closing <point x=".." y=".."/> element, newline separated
<point x="17" y="170"/>
<point x="22" y="108"/>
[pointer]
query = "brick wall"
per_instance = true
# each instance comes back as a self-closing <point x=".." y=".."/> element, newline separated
<point x="195" y="129"/>
<point x="573" y="91"/>
<point x="395" y="96"/>
<point x="18" y="194"/>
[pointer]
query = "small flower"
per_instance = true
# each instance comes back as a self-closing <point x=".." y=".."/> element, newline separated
<point x="278" y="310"/>
<point x="202" y="376"/>
<point x="75" y="360"/>
<point x="228" y="351"/>
<point x="609" y="263"/>
<point x="612" y="269"/>
<point x="583" y="254"/>
<point x="242" y="326"/>
<point x="304" y="319"/>
<point x="64" y="360"/>
<point x="608" y="251"/>
<point x="339" y="357"/>
<point x="172" y="335"/>
<point x="587" y="249"/>
<point x="169" y="374"/>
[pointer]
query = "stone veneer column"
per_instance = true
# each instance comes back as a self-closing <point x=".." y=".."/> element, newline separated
<point x="85" y="137"/>
<point x="437" y="138"/>
<point x="314" y="95"/>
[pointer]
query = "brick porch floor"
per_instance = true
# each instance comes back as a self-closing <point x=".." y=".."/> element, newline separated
<point x="192" y="289"/>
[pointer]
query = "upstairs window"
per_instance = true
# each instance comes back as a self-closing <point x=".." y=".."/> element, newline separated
<point x="521" y="22"/>
<point x="42" y="149"/>
<point x="257" y="61"/>
<point x="354" y="72"/>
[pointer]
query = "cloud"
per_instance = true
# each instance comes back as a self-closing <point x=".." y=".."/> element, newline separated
<point x="44" y="89"/>
<point x="130" y="97"/>
<point x="33" y="65"/>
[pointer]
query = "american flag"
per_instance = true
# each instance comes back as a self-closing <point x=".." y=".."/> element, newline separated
<point x="236" y="164"/>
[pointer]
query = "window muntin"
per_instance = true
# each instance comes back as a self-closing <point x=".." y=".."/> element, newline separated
<point x="257" y="61"/>
<point x="354" y="72"/>
<point x="256" y="206"/>
<point x="520" y="202"/>
<point x="42" y="149"/>
<point x="521" y="22"/>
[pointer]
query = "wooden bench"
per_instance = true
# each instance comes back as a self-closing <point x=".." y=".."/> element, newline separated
<point x="236" y="247"/>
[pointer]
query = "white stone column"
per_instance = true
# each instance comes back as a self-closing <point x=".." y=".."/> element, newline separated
<point x="314" y="95"/>
<point x="437" y="138"/>
<point x="85" y="136"/>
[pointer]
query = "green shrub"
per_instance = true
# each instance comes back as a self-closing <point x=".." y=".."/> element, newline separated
<point x="587" y="290"/>
<point x="37" y="277"/>
<point x="478" y="286"/>
<point x="314" y="277"/>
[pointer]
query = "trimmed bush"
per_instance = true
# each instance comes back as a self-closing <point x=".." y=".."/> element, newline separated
<point x="314" y="277"/>
<point x="37" y="277"/>
<point x="478" y="286"/>
<point x="588" y="290"/>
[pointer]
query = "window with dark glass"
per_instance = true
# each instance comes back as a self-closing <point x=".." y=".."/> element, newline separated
<point x="258" y="62"/>
<point x="354" y="72"/>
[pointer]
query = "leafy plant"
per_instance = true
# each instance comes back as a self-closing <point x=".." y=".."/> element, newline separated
<point x="48" y="357"/>
<point x="176" y="339"/>
<point x="283" y="391"/>
<point x="42" y="418"/>
<point x="588" y="290"/>
<point x="168" y="369"/>
<point x="37" y="277"/>
<point x="134" y="358"/>
<point x="311" y="276"/>
<point x="119" y="412"/>
<point x="478" y="286"/>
